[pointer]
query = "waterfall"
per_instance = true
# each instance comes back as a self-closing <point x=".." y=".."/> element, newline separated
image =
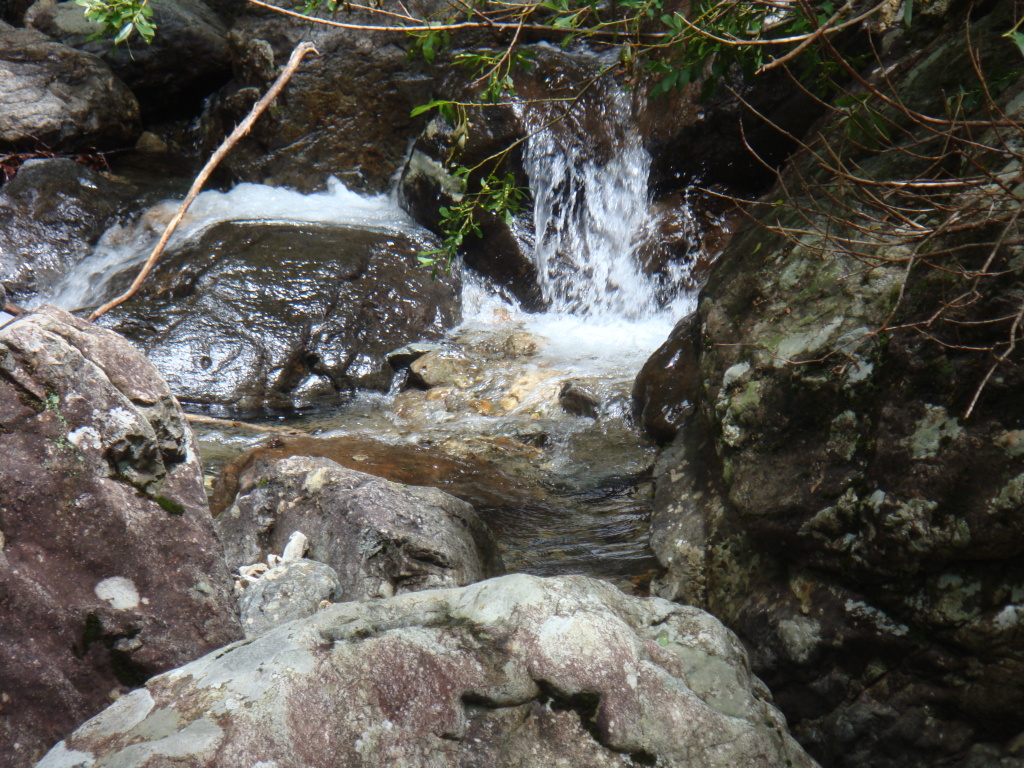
<point x="592" y="212"/>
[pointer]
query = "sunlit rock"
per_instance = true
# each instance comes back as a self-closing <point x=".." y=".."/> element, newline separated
<point x="510" y="671"/>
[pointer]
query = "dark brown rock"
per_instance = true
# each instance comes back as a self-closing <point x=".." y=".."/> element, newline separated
<point x="577" y="400"/>
<point x="259" y="316"/>
<point x="55" y="97"/>
<point x="345" y="113"/>
<point x="109" y="568"/>
<point x="187" y="59"/>
<point x="51" y="215"/>
<point x="668" y="385"/>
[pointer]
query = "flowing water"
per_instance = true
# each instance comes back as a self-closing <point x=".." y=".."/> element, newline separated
<point x="545" y="399"/>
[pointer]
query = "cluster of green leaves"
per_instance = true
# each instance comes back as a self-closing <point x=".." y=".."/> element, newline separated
<point x="727" y="40"/>
<point x="120" y="18"/>
<point x="498" y="194"/>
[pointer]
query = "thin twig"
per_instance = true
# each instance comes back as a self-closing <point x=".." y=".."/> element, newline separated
<point x="243" y="128"/>
<point x="998" y="361"/>
<point x="194" y="418"/>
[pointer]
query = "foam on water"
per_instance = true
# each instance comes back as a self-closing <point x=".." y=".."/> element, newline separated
<point x="121" y="247"/>
<point x="605" y="344"/>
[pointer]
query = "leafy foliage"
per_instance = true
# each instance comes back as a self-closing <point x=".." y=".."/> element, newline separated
<point x="120" y="18"/>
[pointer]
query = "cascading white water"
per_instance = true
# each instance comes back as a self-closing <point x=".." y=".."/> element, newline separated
<point x="591" y="211"/>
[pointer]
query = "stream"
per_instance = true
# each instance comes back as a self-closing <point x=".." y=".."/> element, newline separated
<point x="534" y="408"/>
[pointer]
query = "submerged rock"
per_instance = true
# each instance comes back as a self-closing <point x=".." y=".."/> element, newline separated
<point x="382" y="538"/>
<point x="109" y="568"/>
<point x="517" y="671"/>
<point x="60" y="98"/>
<point x="281" y="316"/>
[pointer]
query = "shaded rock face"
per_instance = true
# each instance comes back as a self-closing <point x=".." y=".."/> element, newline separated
<point x="51" y="215"/>
<point x="832" y="504"/>
<point x="345" y="113"/>
<point x="501" y="252"/>
<point x="290" y="591"/>
<point x="59" y="98"/>
<point x="517" y="671"/>
<point x="668" y="385"/>
<point x="188" y="58"/>
<point x="276" y="316"/>
<point x="382" y="538"/>
<point x="110" y="571"/>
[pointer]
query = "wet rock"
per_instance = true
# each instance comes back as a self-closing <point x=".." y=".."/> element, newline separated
<point x="109" y="568"/>
<point x="51" y="215"/>
<point x="668" y="385"/>
<point x="522" y="344"/>
<point x="59" y="98"/>
<point x="290" y="591"/>
<point x="586" y="136"/>
<point x="188" y="58"/>
<point x="830" y="501"/>
<point x="578" y="400"/>
<point x="443" y="367"/>
<point x="405" y="356"/>
<point x="280" y="316"/>
<point x="382" y="538"/>
<point x="501" y="251"/>
<point x="511" y="671"/>
<point x="345" y="113"/>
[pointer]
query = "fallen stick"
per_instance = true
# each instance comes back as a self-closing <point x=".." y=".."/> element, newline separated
<point x="243" y="128"/>
<point x="194" y="418"/>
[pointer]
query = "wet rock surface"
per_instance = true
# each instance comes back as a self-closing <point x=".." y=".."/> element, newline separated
<point x="345" y="112"/>
<point x="51" y="215"/>
<point x="512" y="671"/>
<point x="499" y="252"/>
<point x="187" y="59"/>
<point x="60" y="98"/>
<point x="830" y="501"/>
<point x="382" y="538"/>
<point x="668" y="385"/>
<point x="258" y="316"/>
<point x="110" y="571"/>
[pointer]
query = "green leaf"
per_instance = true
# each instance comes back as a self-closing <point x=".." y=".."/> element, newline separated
<point x="428" y="106"/>
<point x="1017" y="38"/>
<point x="126" y="30"/>
<point x="908" y="12"/>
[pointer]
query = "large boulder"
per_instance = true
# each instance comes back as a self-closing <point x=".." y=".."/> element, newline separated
<point x="187" y="59"/>
<point x="848" y="494"/>
<point x="52" y="213"/>
<point x="254" y="315"/>
<point x="381" y="537"/>
<point x="517" y="671"/>
<point x="59" y="98"/>
<point x="110" y="571"/>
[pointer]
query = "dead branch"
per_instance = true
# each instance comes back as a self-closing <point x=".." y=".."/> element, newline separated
<point x="301" y="50"/>
<point x="194" y="418"/>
